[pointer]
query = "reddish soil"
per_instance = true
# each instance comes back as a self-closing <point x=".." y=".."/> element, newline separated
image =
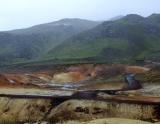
<point x="3" y="80"/>
<point x="136" y="69"/>
<point x="78" y="72"/>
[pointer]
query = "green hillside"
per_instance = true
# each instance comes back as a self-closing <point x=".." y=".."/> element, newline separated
<point x="124" y="40"/>
<point x="29" y="44"/>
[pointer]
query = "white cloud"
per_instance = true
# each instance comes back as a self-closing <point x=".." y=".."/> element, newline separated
<point x="24" y="13"/>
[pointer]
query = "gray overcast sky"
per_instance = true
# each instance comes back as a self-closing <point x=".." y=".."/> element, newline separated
<point x="23" y="13"/>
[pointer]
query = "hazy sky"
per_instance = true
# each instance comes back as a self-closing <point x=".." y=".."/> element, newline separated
<point x="23" y="13"/>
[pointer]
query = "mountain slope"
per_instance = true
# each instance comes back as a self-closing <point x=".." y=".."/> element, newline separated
<point x="129" y="38"/>
<point x="30" y="43"/>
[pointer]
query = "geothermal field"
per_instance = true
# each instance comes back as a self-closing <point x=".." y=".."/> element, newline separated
<point x="79" y="94"/>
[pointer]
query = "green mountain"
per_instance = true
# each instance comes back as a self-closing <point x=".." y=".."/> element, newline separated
<point x="28" y="44"/>
<point x="127" y="39"/>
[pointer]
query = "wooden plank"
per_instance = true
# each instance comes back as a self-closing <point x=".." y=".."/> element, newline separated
<point x="149" y="100"/>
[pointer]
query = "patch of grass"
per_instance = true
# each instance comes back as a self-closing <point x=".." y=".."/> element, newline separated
<point x="76" y="49"/>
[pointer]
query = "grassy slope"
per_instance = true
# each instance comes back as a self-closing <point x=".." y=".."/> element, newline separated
<point x="28" y="44"/>
<point x="130" y="38"/>
<point x="121" y="41"/>
<point x="83" y="50"/>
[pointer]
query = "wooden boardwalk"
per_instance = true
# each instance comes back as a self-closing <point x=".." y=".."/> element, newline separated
<point x="148" y="100"/>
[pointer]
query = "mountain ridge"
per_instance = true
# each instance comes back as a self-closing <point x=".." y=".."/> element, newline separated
<point x="28" y="44"/>
<point x="130" y="38"/>
<point x="123" y="40"/>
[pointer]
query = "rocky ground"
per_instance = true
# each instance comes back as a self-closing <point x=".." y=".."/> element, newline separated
<point x="104" y="121"/>
<point x="72" y="78"/>
<point x="110" y="121"/>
